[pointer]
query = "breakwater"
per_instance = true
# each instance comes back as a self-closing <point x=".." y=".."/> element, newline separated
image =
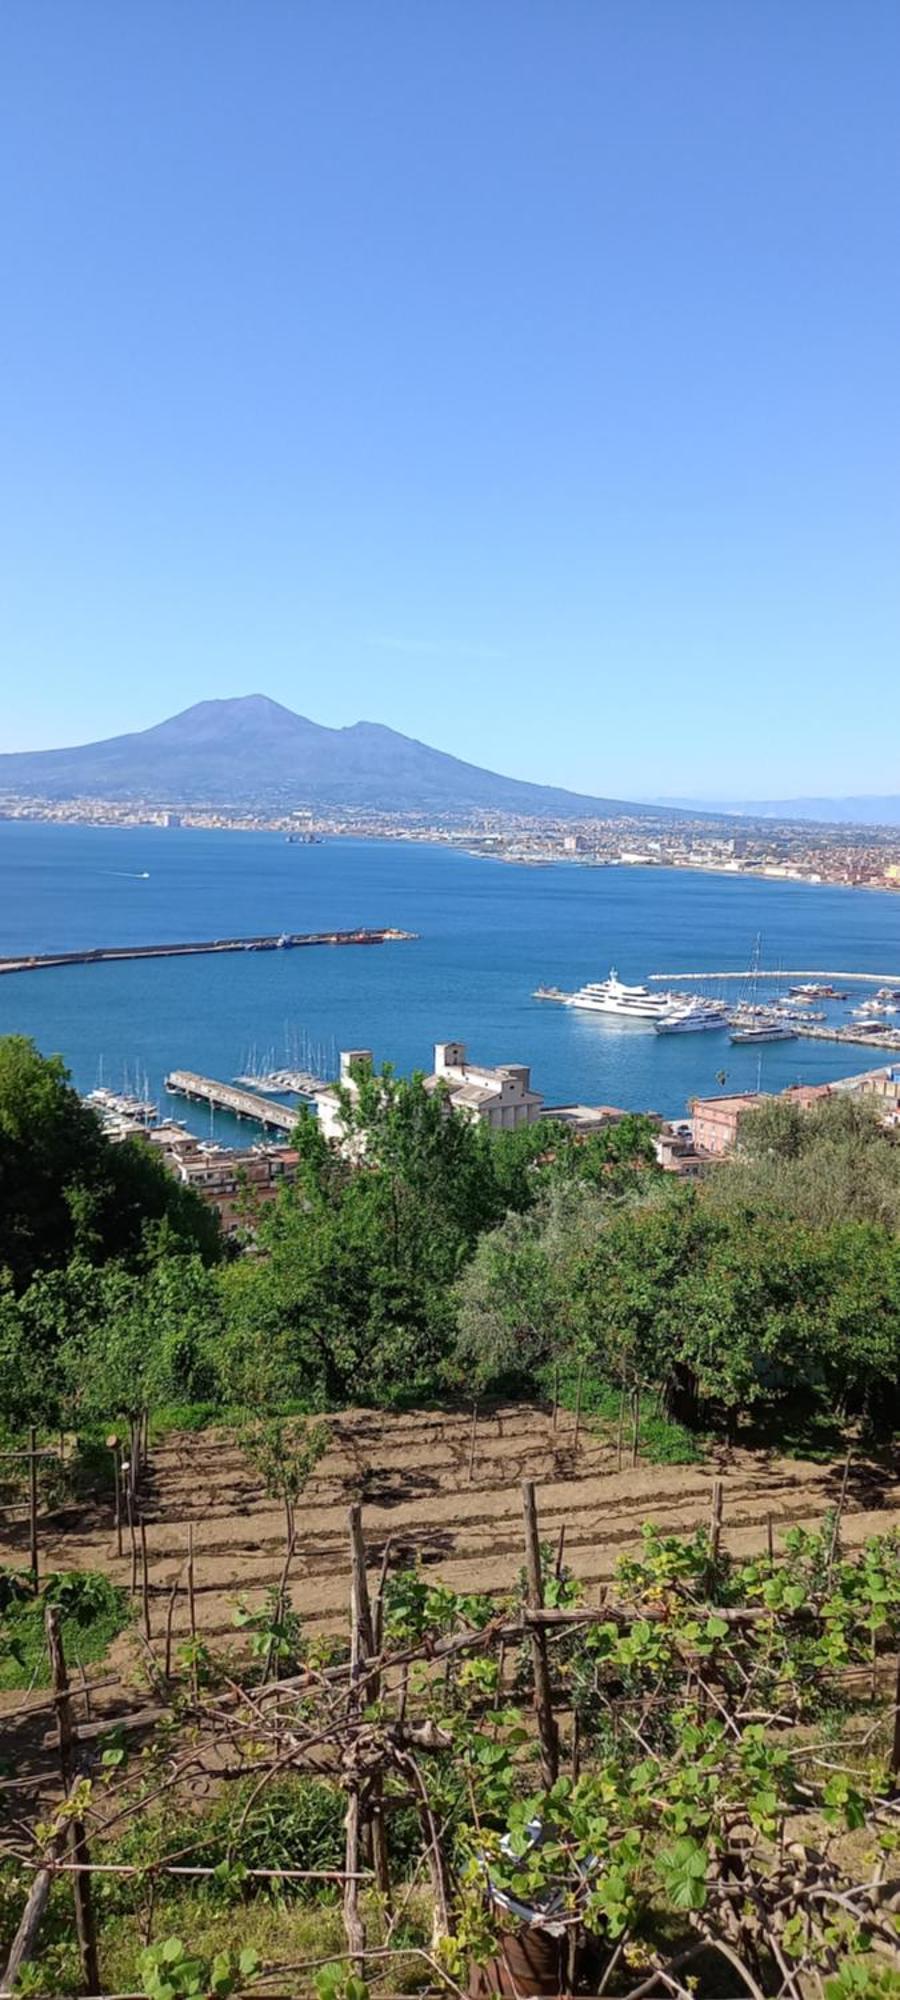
<point x="756" y="972"/>
<point x="209" y="947"/>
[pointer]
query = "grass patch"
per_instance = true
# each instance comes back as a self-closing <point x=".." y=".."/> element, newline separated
<point x="661" y="1441"/>
<point x="92" y="1612"/>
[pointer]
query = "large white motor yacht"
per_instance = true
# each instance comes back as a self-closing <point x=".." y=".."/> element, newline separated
<point x="690" y="1017"/>
<point x="628" y="1003"/>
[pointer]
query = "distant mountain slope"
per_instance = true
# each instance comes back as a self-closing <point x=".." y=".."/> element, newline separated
<point x="867" y="809"/>
<point x="254" y="751"/>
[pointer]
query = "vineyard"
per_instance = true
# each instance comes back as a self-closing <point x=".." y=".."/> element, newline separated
<point x="552" y="1749"/>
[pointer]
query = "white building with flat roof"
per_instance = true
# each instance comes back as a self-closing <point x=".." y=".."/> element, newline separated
<point x="499" y="1096"/>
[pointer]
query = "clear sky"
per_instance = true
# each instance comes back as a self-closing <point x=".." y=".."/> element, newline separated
<point x="524" y="374"/>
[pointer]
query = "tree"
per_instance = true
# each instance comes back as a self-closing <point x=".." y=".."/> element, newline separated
<point x="520" y="1302"/>
<point x="67" y="1191"/>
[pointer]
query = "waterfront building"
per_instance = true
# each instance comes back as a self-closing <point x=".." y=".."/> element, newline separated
<point x="500" y="1096"/>
<point x="715" y="1120"/>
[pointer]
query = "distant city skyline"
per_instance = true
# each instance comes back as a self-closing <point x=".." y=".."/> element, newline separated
<point x="524" y="380"/>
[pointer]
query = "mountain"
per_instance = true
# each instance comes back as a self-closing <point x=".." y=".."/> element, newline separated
<point x="252" y="751"/>
<point x="867" y="809"/>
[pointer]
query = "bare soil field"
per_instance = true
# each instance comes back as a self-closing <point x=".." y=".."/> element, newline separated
<point x="411" y="1474"/>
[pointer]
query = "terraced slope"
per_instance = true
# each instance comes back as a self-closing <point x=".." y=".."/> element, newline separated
<point x="412" y="1475"/>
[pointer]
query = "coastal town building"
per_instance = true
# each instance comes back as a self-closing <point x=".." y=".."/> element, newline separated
<point x="715" y="1120"/>
<point x="677" y="1151"/>
<point x="585" y="1119"/>
<point x="498" y="1096"/>
<point x="238" y="1182"/>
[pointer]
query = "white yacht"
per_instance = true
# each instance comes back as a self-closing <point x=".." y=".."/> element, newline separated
<point x="766" y="1028"/>
<point x="690" y="1017"/>
<point x="627" y="1003"/>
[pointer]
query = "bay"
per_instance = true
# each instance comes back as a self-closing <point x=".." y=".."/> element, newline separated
<point x="488" y="934"/>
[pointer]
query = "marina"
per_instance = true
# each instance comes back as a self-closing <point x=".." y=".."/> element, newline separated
<point x="242" y="1104"/>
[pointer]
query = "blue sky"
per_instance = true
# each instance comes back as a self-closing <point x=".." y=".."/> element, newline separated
<point x="520" y="373"/>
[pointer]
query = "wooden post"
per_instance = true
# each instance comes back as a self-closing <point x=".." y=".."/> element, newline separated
<point x="555" y="1394"/>
<point x="560" y="1552"/>
<point x="360" y="1649"/>
<point x="170" y="1614"/>
<point x="578" y="1388"/>
<point x="68" y="1741"/>
<point x="145" y="1581"/>
<point x="472" y="1442"/>
<point x="770" y="1541"/>
<point x="715" y="1520"/>
<point x="116" y="1450"/>
<point x="33" y="1505"/>
<point x="620" y="1440"/>
<point x="129" y="1504"/>
<point x="635" y="1422"/>
<point x="192" y="1602"/>
<point x="543" y="1699"/>
<point x="895" y="1741"/>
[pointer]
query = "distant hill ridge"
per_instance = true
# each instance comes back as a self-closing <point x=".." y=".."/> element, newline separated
<point x="864" y="809"/>
<point x="253" y="751"/>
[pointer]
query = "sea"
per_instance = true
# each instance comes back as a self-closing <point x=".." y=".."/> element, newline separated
<point x="488" y="933"/>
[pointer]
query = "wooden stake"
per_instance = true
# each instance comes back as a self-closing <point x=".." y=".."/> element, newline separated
<point x="555" y="1395"/>
<point x="170" y="1614"/>
<point x="472" y="1442"/>
<point x="578" y="1389"/>
<point x="23" y="1945"/>
<point x="560" y="1552"/>
<point x="543" y="1699"/>
<point x="361" y="1646"/>
<point x="635" y="1422"/>
<point x="715" y="1520"/>
<point x="836" y="1525"/>
<point x="68" y="1741"/>
<point x="129" y="1504"/>
<point x="895" y="1743"/>
<point x="33" y="1505"/>
<point x="770" y="1541"/>
<point x="117" y="1473"/>
<point x="145" y="1580"/>
<point x="620" y="1440"/>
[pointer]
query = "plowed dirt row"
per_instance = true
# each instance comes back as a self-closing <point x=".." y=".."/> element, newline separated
<point x="412" y="1475"/>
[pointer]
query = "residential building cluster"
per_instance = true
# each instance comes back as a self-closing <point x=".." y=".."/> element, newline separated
<point x="866" y="857"/>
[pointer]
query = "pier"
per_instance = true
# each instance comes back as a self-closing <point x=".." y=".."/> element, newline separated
<point x="883" y="1038"/>
<point x="755" y="972"/>
<point x="116" y="954"/>
<point x="228" y="1097"/>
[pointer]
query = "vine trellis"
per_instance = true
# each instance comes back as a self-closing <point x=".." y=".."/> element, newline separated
<point x="572" y="1769"/>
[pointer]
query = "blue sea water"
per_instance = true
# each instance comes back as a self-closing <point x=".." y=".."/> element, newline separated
<point x="489" y="933"/>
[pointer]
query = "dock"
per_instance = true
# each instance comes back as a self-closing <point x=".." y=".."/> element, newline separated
<point x="228" y="1097"/>
<point x="863" y="978"/>
<point x="210" y="947"/>
<point x="883" y="1038"/>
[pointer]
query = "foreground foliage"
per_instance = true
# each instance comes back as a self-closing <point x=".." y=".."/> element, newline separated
<point x="724" y="1804"/>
